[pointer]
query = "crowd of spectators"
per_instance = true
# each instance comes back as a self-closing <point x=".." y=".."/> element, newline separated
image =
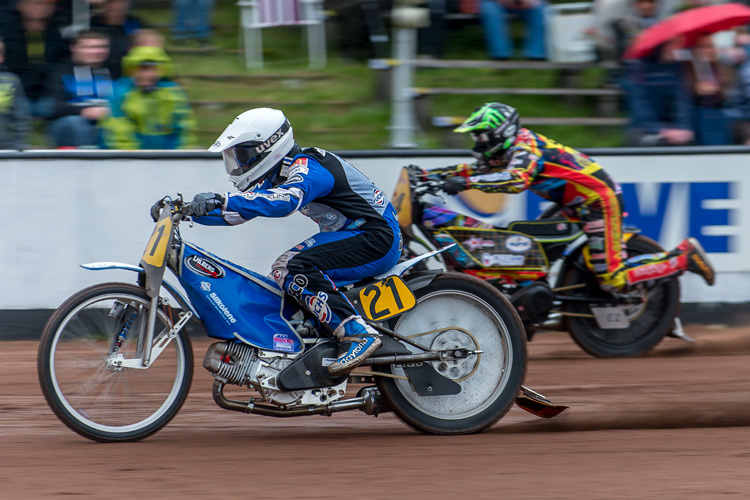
<point x="678" y="94"/>
<point x="104" y="81"/>
<point x="107" y="81"/>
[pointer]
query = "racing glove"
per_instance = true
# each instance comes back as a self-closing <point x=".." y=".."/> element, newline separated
<point x="454" y="185"/>
<point x="203" y="203"/>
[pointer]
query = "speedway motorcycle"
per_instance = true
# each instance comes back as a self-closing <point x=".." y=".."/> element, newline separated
<point x="115" y="360"/>
<point x="540" y="266"/>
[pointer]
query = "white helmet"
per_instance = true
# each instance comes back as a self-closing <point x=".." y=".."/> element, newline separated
<point x="254" y="144"/>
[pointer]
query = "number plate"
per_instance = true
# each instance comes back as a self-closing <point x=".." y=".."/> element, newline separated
<point x="386" y="298"/>
<point x="611" y="318"/>
<point x="156" y="250"/>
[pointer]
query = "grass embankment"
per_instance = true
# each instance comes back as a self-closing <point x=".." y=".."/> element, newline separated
<point x="340" y="106"/>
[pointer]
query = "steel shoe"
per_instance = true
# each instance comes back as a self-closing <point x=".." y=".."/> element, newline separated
<point x="354" y="349"/>
<point x="697" y="260"/>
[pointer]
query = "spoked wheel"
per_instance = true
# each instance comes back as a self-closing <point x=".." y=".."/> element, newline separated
<point x="649" y="321"/>
<point x="79" y="365"/>
<point x="458" y="311"/>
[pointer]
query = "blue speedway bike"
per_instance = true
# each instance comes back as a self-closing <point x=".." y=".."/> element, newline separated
<point x="115" y="360"/>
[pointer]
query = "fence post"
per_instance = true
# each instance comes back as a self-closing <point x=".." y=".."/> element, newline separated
<point x="405" y="20"/>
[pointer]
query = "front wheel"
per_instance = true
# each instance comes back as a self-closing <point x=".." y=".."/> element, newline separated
<point x="80" y="372"/>
<point x="458" y="311"/>
<point x="649" y="321"/>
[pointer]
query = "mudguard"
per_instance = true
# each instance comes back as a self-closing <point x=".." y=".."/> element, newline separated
<point x="181" y="300"/>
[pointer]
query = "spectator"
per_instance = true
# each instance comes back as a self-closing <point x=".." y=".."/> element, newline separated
<point x="31" y="31"/>
<point x="120" y="25"/>
<point x="192" y="20"/>
<point x="82" y="89"/>
<point x="708" y="78"/>
<point x="14" y="117"/>
<point x="497" y="31"/>
<point x="149" y="111"/>
<point x="642" y="14"/>
<point x="738" y="110"/>
<point x="433" y="37"/>
<point x="658" y="99"/>
<point x="147" y="37"/>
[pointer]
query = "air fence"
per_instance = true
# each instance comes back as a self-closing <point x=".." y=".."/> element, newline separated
<point x="65" y="208"/>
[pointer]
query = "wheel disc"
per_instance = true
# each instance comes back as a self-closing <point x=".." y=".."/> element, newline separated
<point x="447" y="317"/>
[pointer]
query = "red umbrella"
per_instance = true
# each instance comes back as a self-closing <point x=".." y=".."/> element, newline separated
<point x="689" y="24"/>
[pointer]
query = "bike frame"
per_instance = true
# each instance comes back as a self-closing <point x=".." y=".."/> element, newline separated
<point x="232" y="302"/>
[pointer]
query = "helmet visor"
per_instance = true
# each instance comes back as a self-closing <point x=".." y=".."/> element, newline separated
<point x="240" y="160"/>
<point x="483" y="143"/>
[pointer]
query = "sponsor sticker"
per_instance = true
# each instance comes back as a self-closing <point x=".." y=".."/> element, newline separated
<point x="251" y="195"/>
<point x="299" y="167"/>
<point x="282" y="342"/>
<point x="518" y="243"/>
<point x="205" y="286"/>
<point x="318" y="305"/>
<point x="378" y="198"/>
<point x="475" y="243"/>
<point x="502" y="259"/>
<point x="219" y="305"/>
<point x="204" y="267"/>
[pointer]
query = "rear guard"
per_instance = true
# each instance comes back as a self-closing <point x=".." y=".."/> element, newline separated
<point x="537" y="404"/>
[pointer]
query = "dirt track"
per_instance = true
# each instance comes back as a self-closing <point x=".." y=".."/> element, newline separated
<point x="674" y="424"/>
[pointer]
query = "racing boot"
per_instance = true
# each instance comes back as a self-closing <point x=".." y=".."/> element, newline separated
<point x="359" y="341"/>
<point x="697" y="260"/>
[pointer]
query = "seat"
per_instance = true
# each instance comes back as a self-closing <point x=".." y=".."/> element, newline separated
<point x="258" y="14"/>
<point x="566" y="37"/>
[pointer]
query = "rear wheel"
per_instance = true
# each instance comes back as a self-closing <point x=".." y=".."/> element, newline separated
<point x="80" y="372"/>
<point x="458" y="311"/>
<point x="649" y="321"/>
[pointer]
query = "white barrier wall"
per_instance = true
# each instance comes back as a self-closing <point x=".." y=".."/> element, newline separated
<point x="60" y="213"/>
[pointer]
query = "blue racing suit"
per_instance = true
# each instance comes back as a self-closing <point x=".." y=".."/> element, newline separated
<point x="359" y="234"/>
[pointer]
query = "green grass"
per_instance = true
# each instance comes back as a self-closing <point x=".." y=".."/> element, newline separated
<point x="339" y="106"/>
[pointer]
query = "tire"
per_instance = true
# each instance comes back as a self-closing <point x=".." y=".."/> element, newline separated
<point x="102" y="402"/>
<point x="489" y="384"/>
<point x="650" y="322"/>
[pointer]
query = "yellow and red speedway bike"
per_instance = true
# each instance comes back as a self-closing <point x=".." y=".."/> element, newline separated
<point x="540" y="266"/>
<point x="115" y="360"/>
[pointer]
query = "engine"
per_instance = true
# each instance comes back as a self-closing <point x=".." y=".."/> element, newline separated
<point x="239" y="364"/>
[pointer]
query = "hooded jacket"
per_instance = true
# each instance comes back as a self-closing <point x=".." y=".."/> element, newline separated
<point x="149" y="118"/>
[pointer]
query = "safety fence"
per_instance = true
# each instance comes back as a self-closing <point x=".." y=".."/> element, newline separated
<point x="65" y="208"/>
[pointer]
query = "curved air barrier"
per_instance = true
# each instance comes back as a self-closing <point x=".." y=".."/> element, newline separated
<point x="69" y="207"/>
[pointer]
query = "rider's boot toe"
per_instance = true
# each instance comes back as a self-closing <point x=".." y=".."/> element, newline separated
<point x="353" y="350"/>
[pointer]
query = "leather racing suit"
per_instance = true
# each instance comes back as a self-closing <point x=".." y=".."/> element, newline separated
<point x="586" y="194"/>
<point x="359" y="233"/>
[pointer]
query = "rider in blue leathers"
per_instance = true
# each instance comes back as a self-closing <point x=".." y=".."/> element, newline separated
<point x="359" y="233"/>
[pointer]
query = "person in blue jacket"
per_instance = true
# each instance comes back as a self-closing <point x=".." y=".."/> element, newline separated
<point x="359" y="234"/>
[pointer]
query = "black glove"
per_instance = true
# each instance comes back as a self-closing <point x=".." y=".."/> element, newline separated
<point x="156" y="209"/>
<point x="203" y="203"/>
<point x="454" y="185"/>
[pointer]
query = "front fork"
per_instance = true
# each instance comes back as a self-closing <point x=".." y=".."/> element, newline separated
<point x="147" y="351"/>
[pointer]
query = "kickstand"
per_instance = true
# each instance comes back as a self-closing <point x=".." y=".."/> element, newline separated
<point x="678" y="332"/>
<point x="537" y="404"/>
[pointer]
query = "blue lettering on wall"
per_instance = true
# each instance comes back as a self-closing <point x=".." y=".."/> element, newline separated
<point x="701" y="217"/>
<point x="651" y="221"/>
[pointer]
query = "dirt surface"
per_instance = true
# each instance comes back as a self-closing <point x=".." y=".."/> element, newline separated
<point x="672" y="425"/>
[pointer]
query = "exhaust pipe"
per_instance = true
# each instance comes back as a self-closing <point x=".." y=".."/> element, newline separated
<point x="368" y="402"/>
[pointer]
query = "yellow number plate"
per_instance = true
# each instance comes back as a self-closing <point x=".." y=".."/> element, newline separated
<point x="386" y="298"/>
<point x="156" y="249"/>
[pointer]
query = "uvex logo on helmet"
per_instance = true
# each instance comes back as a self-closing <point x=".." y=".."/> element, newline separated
<point x="204" y="267"/>
<point x="270" y="141"/>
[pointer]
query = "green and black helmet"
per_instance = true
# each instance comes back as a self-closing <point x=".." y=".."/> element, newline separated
<point x="493" y="127"/>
